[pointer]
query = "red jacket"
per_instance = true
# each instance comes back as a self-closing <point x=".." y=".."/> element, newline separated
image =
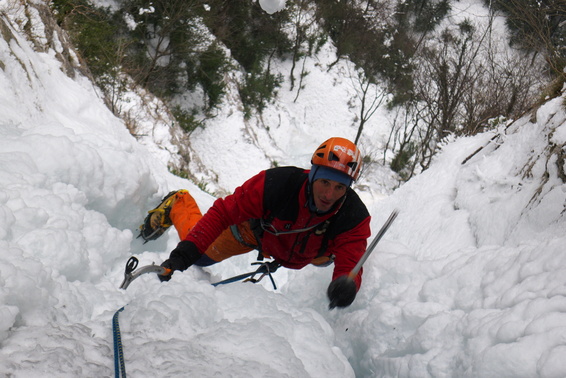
<point x="279" y="196"/>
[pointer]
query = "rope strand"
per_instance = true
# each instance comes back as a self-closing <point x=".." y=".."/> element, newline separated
<point x="119" y="366"/>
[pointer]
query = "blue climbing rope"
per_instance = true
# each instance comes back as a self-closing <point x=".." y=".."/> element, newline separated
<point x="119" y="366"/>
<point x="265" y="269"/>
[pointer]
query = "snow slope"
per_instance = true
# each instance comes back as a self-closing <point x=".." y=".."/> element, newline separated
<point x="469" y="281"/>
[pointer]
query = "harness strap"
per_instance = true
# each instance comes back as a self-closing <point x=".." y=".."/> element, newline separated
<point x="238" y="236"/>
<point x="258" y="234"/>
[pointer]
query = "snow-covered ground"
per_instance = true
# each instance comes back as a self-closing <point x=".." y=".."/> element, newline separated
<point x="469" y="281"/>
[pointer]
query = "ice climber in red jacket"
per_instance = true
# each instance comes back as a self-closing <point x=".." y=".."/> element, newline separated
<point x="291" y="215"/>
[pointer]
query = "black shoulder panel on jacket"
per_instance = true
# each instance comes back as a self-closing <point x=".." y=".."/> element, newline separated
<point x="352" y="213"/>
<point x="281" y="191"/>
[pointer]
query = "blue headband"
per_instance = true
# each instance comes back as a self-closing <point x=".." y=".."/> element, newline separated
<point x="322" y="172"/>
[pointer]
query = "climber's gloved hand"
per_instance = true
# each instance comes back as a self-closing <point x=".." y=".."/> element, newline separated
<point x="166" y="277"/>
<point x="183" y="256"/>
<point x="341" y="292"/>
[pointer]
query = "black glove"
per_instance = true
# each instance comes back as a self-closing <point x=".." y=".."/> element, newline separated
<point x="341" y="292"/>
<point x="182" y="257"/>
<point x="166" y="264"/>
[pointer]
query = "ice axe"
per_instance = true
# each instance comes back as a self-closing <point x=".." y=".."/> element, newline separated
<point x="347" y="282"/>
<point x="374" y="242"/>
<point x="131" y="273"/>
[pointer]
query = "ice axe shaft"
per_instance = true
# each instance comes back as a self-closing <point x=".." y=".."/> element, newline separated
<point x="372" y="245"/>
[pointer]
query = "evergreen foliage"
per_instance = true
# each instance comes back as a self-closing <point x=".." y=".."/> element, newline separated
<point x="421" y="16"/>
<point x="379" y="47"/>
<point x="160" y="44"/>
<point x="93" y="31"/>
<point x="188" y="121"/>
<point x="538" y="27"/>
<point x="258" y="90"/>
<point x="253" y="38"/>
<point x="437" y="81"/>
<point x="169" y="51"/>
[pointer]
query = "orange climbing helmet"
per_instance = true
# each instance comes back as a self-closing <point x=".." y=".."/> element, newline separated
<point x="339" y="154"/>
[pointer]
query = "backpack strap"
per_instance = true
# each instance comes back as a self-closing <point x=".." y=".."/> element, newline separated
<point x="281" y="192"/>
<point x="280" y="198"/>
